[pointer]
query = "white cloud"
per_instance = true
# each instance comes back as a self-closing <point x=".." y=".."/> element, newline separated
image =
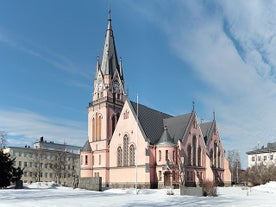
<point x="31" y="126"/>
<point x="231" y="47"/>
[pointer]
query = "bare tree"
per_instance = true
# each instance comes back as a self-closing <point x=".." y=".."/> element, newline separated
<point x="59" y="165"/>
<point x="3" y="139"/>
<point x="234" y="164"/>
<point x="37" y="161"/>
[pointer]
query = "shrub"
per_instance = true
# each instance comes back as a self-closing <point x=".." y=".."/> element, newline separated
<point x="209" y="188"/>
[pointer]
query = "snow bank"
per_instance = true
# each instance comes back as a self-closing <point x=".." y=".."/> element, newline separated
<point x="43" y="185"/>
<point x="269" y="187"/>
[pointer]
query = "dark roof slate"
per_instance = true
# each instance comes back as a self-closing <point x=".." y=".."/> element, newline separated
<point x="151" y="121"/>
<point x="166" y="139"/>
<point x="206" y="129"/>
<point x="86" y="147"/>
<point x="177" y="125"/>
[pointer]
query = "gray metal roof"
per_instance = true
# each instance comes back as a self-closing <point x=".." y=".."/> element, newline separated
<point x="166" y="139"/>
<point x="206" y="129"/>
<point x="177" y="125"/>
<point x="151" y="121"/>
<point x="86" y="147"/>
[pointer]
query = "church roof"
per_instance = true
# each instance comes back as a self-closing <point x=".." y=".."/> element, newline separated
<point x="166" y="139"/>
<point x="151" y="121"/>
<point x="177" y="125"/>
<point x="206" y="129"/>
<point x="86" y="147"/>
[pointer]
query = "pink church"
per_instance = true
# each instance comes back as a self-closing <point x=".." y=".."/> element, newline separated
<point x="129" y="143"/>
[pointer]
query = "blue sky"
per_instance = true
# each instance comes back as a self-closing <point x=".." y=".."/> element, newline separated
<point x="221" y="54"/>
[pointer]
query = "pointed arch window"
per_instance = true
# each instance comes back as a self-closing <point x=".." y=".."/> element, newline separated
<point x="131" y="155"/>
<point x="125" y="150"/>
<point x="194" y="150"/>
<point x="119" y="156"/>
<point x="189" y="152"/>
<point x="93" y="130"/>
<point x="199" y="156"/>
<point x="96" y="127"/>
<point x="211" y="157"/>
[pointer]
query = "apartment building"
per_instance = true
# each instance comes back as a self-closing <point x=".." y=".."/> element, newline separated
<point x="41" y="164"/>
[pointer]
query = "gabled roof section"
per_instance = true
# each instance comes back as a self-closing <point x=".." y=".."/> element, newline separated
<point x="166" y="139"/>
<point x="109" y="61"/>
<point x="177" y="125"/>
<point x="86" y="147"/>
<point x="207" y="129"/>
<point x="151" y="121"/>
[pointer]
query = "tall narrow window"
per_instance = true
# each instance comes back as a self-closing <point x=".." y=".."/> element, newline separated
<point x="131" y="155"/>
<point x="189" y="152"/>
<point x="215" y="154"/>
<point x="125" y="148"/>
<point x="86" y="160"/>
<point x="119" y="156"/>
<point x="211" y="157"/>
<point x="160" y="155"/>
<point x="199" y="156"/>
<point x="93" y="130"/>
<point x="99" y="127"/>
<point x="194" y="151"/>
<point x="218" y="158"/>
<point x="167" y="155"/>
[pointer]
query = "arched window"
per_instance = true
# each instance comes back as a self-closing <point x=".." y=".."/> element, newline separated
<point x="189" y="152"/>
<point x="218" y="158"/>
<point x="215" y="154"/>
<point x="125" y="148"/>
<point x="99" y="128"/>
<point x="131" y="155"/>
<point x="119" y="156"/>
<point x="194" y="150"/>
<point x="211" y="157"/>
<point x="160" y="155"/>
<point x="93" y="129"/>
<point x="199" y="156"/>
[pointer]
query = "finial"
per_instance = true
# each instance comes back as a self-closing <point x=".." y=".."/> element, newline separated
<point x="214" y="115"/>
<point x="109" y="11"/>
<point x="193" y="105"/>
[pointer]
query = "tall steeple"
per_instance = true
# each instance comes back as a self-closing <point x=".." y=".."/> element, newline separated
<point x="109" y="63"/>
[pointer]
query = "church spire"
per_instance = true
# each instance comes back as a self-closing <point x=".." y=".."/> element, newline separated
<point x="109" y="62"/>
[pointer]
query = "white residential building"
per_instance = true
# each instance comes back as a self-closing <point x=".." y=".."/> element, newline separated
<point x="264" y="155"/>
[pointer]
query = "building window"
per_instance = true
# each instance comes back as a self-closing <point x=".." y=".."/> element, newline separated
<point x="97" y="174"/>
<point x="160" y="156"/>
<point x="30" y="164"/>
<point x="253" y="159"/>
<point x="259" y="158"/>
<point x="125" y="145"/>
<point x="199" y="156"/>
<point x="265" y="158"/>
<point x="19" y="163"/>
<point x="86" y="160"/>
<point x="126" y="114"/>
<point x="194" y="150"/>
<point x="119" y="156"/>
<point x="189" y="152"/>
<point x="167" y="155"/>
<point x="25" y="164"/>
<point x="271" y="157"/>
<point x="131" y="155"/>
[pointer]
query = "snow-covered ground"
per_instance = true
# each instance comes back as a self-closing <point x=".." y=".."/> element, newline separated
<point x="48" y="194"/>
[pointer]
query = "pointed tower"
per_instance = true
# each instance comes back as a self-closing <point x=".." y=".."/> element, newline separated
<point x="103" y="112"/>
